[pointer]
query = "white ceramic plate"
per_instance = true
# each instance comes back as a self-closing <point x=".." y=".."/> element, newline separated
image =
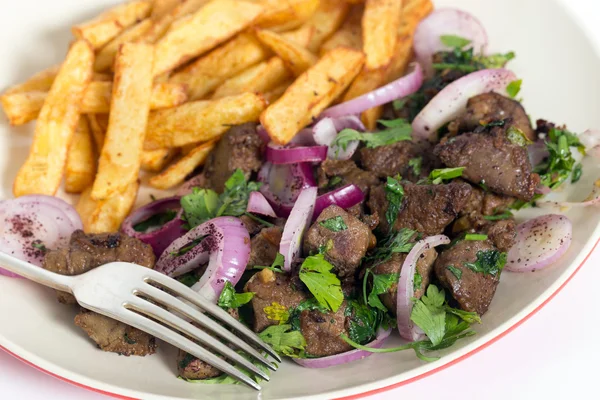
<point x="559" y="66"/>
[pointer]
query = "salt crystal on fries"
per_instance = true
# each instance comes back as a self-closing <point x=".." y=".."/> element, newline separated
<point x="106" y="215"/>
<point x="120" y="159"/>
<point x="200" y="121"/>
<point x="296" y="58"/>
<point x="258" y="79"/>
<point x="157" y="160"/>
<point x="214" y="23"/>
<point x="311" y="93"/>
<point x="111" y="23"/>
<point x="80" y="169"/>
<point x="105" y="58"/>
<point x="177" y="172"/>
<point x="209" y="71"/>
<point x="43" y="169"/>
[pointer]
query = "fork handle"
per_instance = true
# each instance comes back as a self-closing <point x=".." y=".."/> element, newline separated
<point x="35" y="273"/>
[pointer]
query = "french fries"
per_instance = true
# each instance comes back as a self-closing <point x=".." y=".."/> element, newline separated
<point x="176" y="173"/>
<point x="273" y="95"/>
<point x="157" y="160"/>
<point x="120" y="159"/>
<point x="380" y="24"/>
<point x="22" y="108"/>
<point x="258" y="79"/>
<point x="323" y="23"/>
<point x="208" y="72"/>
<point x="106" y="215"/>
<point x="162" y="7"/>
<point x="108" y="25"/>
<point x="284" y="15"/>
<point x="42" y="82"/>
<point x="43" y="169"/>
<point x="214" y="23"/>
<point x="80" y="169"/>
<point x="311" y="93"/>
<point x="200" y="121"/>
<point x="349" y="35"/>
<point x="162" y="24"/>
<point x="98" y="126"/>
<point x="296" y="58"/>
<point x="105" y="58"/>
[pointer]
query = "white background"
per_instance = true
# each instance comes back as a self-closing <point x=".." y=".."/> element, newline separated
<point x="551" y="356"/>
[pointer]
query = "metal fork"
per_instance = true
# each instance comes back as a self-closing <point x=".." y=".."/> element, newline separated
<point x="132" y="294"/>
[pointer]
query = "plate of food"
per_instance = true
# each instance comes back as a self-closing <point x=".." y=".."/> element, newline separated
<point x="378" y="189"/>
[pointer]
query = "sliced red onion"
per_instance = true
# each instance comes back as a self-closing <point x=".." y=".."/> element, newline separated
<point x="257" y="204"/>
<point x="452" y="100"/>
<point x="296" y="225"/>
<point x="264" y="135"/>
<point x="537" y="152"/>
<point x="406" y="290"/>
<point x="539" y="243"/>
<point x="187" y="187"/>
<point x="304" y="138"/>
<point x="345" y="197"/>
<point x="226" y="247"/>
<point x="447" y="21"/>
<point x="541" y="189"/>
<point x="592" y="200"/>
<point x="395" y="90"/>
<point x="282" y="184"/>
<point x="163" y="236"/>
<point x="30" y="222"/>
<point x="591" y="140"/>
<point x="326" y="130"/>
<point x="349" y="356"/>
<point x="292" y="155"/>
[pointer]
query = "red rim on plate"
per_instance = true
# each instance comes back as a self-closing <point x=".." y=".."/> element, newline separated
<point x="370" y="392"/>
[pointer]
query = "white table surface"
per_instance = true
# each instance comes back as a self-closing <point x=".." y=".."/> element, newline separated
<point x="553" y="355"/>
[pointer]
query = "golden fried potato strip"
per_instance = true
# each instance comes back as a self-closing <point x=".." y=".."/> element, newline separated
<point x="296" y="58"/>
<point x="176" y="173"/>
<point x="311" y="93"/>
<point x="106" y="215"/>
<point x="43" y="169"/>
<point x="98" y="126"/>
<point x="162" y="23"/>
<point x="350" y="34"/>
<point x="157" y="160"/>
<point x="282" y="15"/>
<point x="80" y="169"/>
<point x="200" y="121"/>
<point x="121" y="154"/>
<point x="105" y="58"/>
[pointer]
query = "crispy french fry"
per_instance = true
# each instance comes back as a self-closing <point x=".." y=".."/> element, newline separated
<point x="311" y="93"/>
<point x="157" y="160"/>
<point x="43" y="169"/>
<point x="105" y="58"/>
<point x="295" y="57"/>
<point x="162" y="24"/>
<point x="349" y="35"/>
<point x="106" y="215"/>
<point x="111" y="23"/>
<point x="42" y="82"/>
<point x="380" y="24"/>
<point x="102" y="77"/>
<point x="162" y="7"/>
<point x="208" y="72"/>
<point x="283" y="15"/>
<point x="176" y="173"/>
<point x="325" y="21"/>
<point x="200" y="121"/>
<point x="258" y="79"/>
<point x="98" y="127"/>
<point x="187" y="149"/>
<point x="273" y="95"/>
<point x="210" y="26"/>
<point x="22" y="108"/>
<point x="121" y="154"/>
<point x="354" y="1"/>
<point x="80" y="169"/>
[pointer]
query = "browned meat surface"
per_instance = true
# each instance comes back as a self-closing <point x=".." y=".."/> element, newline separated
<point x="394" y="266"/>
<point x="265" y="246"/>
<point x="115" y="336"/>
<point x="349" y="245"/>
<point x="346" y="172"/>
<point x="543" y="126"/>
<point x="490" y="107"/>
<point x="492" y="159"/>
<point x="251" y="225"/>
<point x="474" y="290"/>
<point x="426" y="208"/>
<point x="322" y="332"/>
<point x="86" y="252"/>
<point x="270" y="287"/>
<point x="502" y="233"/>
<point x="240" y="147"/>
<point x="486" y="203"/>
<point x="389" y="160"/>
<point x="189" y="367"/>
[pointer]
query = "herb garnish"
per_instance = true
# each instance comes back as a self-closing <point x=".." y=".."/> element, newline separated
<point x="276" y="266"/>
<point x="277" y="312"/>
<point x="455" y="271"/>
<point x="397" y="130"/>
<point x="454" y="41"/>
<point x="463" y="58"/>
<point x="155" y="221"/>
<point x="516" y="136"/>
<point x="230" y="299"/>
<point x="204" y="204"/>
<point x="363" y="321"/>
<point x="189" y="279"/>
<point x="438" y="176"/>
<point x="514" y="88"/>
<point x="39" y="245"/>
<point x="475" y="236"/>
<point x="416" y="164"/>
<point x="498" y="217"/>
<point x="128" y="340"/>
<point x="316" y="274"/>
<point x="308" y="305"/>
<point x="417" y="281"/>
<point x="335" y="224"/>
<point x="489" y="262"/>
<point x="382" y="283"/>
<point x="394" y="193"/>
<point x="284" y="340"/>
<point x="577" y="172"/>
